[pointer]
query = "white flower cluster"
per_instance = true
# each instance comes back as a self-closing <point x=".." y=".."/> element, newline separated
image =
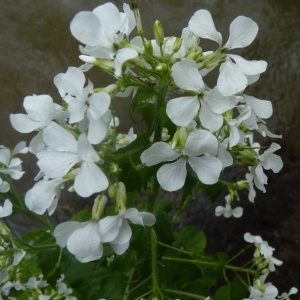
<point x="265" y="262"/>
<point x="38" y="289"/>
<point x="212" y="127"/>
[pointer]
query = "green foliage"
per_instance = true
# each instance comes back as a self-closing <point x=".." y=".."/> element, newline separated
<point x="192" y="239"/>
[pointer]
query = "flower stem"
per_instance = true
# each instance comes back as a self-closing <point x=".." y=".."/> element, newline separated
<point x="209" y="263"/>
<point x="190" y="295"/>
<point x="156" y="292"/>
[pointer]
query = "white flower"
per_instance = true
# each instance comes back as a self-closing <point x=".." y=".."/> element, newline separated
<point x="235" y="69"/>
<point x="40" y="112"/>
<point x="44" y="196"/>
<point x="81" y="239"/>
<point x="265" y="250"/>
<point x="81" y="106"/>
<point x="227" y="211"/>
<point x="125" y="139"/>
<point x="116" y="230"/>
<point x="268" y="160"/>
<point x="285" y="296"/>
<point x="33" y="283"/>
<point x="199" y="145"/>
<point x="6" y="209"/>
<point x="10" y="166"/>
<point x="102" y="29"/>
<point x="183" y="110"/>
<point x="9" y="285"/>
<point x="267" y="292"/>
<point x="64" y="152"/>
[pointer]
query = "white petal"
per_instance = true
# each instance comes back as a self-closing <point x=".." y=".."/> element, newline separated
<point x="89" y="180"/>
<point x="97" y="130"/>
<point x="217" y="102"/>
<point x="109" y="228"/>
<point x="120" y="249"/>
<point x="249" y="67"/>
<point x="23" y="123"/>
<point x="37" y="143"/>
<point x="203" y="26"/>
<point x="208" y="118"/>
<point x="133" y="215"/>
<point x="183" y="110"/>
<point x="243" y="31"/>
<point x="57" y="164"/>
<point x="43" y="195"/>
<point x="40" y="108"/>
<point x="273" y="162"/>
<point x="122" y="56"/>
<point x="63" y="231"/>
<point x="158" y="153"/>
<point x="207" y="168"/>
<point x="85" y="28"/>
<point x="6" y="209"/>
<point x="124" y="234"/>
<point x="59" y="139"/>
<point x="231" y="80"/>
<point x="225" y="157"/>
<point x="172" y="176"/>
<point x="200" y="142"/>
<point x="73" y="82"/>
<point x="262" y="108"/>
<point x="237" y="212"/>
<point x="76" y="109"/>
<point x="98" y="104"/>
<point x="86" y="151"/>
<point x="85" y="243"/>
<point x="110" y="19"/>
<point x="186" y="76"/>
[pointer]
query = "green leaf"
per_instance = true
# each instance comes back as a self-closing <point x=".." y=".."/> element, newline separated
<point x="212" y="191"/>
<point x="193" y="239"/>
<point x="234" y="290"/>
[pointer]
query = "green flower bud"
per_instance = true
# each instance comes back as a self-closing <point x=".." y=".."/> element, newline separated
<point x="161" y="67"/>
<point x="177" y="45"/>
<point x="148" y="47"/>
<point x="120" y="196"/>
<point x="115" y="169"/>
<point x="98" y="207"/>
<point x="158" y="33"/>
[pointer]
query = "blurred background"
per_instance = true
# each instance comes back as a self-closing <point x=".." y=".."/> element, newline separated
<point x="36" y="44"/>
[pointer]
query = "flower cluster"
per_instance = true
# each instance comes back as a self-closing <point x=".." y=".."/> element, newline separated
<point x="194" y="132"/>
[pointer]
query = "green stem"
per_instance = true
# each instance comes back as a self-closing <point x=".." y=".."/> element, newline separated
<point x="209" y="263"/>
<point x="14" y="191"/>
<point x="186" y="201"/>
<point x="190" y="295"/>
<point x="176" y="249"/>
<point x="126" y="294"/>
<point x="156" y="290"/>
<point x="39" y="247"/>
<point x="137" y="286"/>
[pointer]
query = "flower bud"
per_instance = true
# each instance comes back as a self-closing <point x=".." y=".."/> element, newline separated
<point x="177" y="45"/>
<point x="148" y="47"/>
<point x="115" y="169"/>
<point x="120" y="196"/>
<point x="98" y="207"/>
<point x="161" y="67"/>
<point x="88" y="59"/>
<point x="158" y="33"/>
<point x="137" y="17"/>
<point x="112" y="190"/>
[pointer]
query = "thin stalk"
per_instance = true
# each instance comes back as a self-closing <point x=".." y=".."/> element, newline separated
<point x="14" y="191"/>
<point x="140" y="284"/>
<point x="174" y="248"/>
<point x="126" y="294"/>
<point x="209" y="263"/>
<point x="186" y="202"/>
<point x="190" y="295"/>
<point x="156" y="290"/>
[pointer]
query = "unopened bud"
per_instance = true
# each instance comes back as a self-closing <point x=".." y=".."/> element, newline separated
<point x="120" y="196"/>
<point x="161" y="67"/>
<point x="88" y="59"/>
<point x="177" y="45"/>
<point x="158" y="33"/>
<point x="115" y="169"/>
<point x="98" y="207"/>
<point x="148" y="47"/>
